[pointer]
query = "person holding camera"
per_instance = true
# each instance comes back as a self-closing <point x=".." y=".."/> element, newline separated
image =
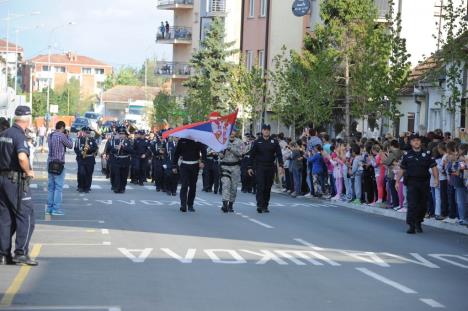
<point x="58" y="142"/>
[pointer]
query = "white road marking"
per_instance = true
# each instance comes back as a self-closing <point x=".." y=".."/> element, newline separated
<point x="261" y="223"/>
<point x="255" y="221"/>
<point x="432" y="303"/>
<point x="129" y="187"/>
<point x="96" y="187"/>
<point x="85" y="199"/>
<point x="442" y="257"/>
<point x="33" y="186"/>
<point x="150" y="188"/>
<point x="106" y="243"/>
<point x="389" y="282"/>
<point x="105" y="231"/>
<point x="66" y="186"/>
<point x="316" y="248"/>
<point x="101" y="221"/>
<point x="75" y="244"/>
<point x="140" y="258"/>
<point x="318" y="255"/>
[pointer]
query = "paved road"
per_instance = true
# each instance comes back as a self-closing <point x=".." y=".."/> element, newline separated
<point x="136" y="251"/>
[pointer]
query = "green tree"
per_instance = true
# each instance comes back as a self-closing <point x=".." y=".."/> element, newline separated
<point x="247" y="90"/>
<point x="124" y="76"/>
<point x="208" y="86"/>
<point x="148" y="70"/>
<point x="39" y="103"/>
<point x="69" y="97"/>
<point x="167" y="110"/>
<point x="452" y="57"/>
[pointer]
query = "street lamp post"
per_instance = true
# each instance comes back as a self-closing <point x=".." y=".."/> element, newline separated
<point x="49" y="78"/>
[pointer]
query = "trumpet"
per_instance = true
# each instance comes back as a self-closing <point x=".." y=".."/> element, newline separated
<point x="119" y="147"/>
<point x="85" y="148"/>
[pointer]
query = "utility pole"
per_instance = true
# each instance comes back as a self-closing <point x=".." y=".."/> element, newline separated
<point x="347" y="100"/>
<point x="439" y="15"/>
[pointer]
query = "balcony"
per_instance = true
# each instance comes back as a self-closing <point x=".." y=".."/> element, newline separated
<point x="176" y="35"/>
<point x="216" y="8"/>
<point x="175" y="4"/>
<point x="174" y="70"/>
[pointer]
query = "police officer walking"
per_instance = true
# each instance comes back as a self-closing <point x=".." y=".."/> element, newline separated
<point x="85" y="149"/>
<point x="193" y="158"/>
<point x="415" y="167"/>
<point x="171" y="177"/>
<point x="263" y="153"/>
<point x="121" y="151"/>
<point x="16" y="208"/>
<point x="230" y="170"/>
<point x="142" y="153"/>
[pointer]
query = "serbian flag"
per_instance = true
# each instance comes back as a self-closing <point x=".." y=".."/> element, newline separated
<point x="214" y="133"/>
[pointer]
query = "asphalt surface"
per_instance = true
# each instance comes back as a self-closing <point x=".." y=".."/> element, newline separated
<point x="137" y="251"/>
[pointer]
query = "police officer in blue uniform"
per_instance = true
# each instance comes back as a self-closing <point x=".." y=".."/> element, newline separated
<point x="121" y="151"/>
<point x="85" y="149"/>
<point x="171" y="177"/>
<point x="415" y="167"/>
<point x="16" y="208"/>
<point x="265" y="150"/>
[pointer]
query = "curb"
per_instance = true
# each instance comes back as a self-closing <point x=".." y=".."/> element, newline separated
<point x="389" y="213"/>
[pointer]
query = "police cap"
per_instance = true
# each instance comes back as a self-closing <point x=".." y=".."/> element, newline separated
<point x="22" y="111"/>
<point x="122" y="130"/>
<point x="86" y="129"/>
<point x="266" y="127"/>
<point x="415" y="136"/>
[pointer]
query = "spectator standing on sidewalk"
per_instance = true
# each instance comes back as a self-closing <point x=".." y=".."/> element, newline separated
<point x="58" y="142"/>
<point x="42" y="132"/>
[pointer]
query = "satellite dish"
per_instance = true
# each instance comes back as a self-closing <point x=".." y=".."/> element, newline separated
<point x="301" y="7"/>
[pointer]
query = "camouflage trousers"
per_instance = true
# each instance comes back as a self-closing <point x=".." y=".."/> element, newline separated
<point x="230" y="177"/>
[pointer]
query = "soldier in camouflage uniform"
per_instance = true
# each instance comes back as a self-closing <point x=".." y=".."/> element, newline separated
<point x="230" y="170"/>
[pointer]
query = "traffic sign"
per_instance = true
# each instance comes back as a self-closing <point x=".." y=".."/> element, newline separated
<point x="54" y="108"/>
<point x="301" y="7"/>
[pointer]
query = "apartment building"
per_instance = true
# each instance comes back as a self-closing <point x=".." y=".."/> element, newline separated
<point x="267" y="26"/>
<point x="90" y="72"/>
<point x="191" y="20"/>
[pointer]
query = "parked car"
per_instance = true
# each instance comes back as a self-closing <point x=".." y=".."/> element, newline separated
<point x="79" y="124"/>
<point x="94" y="118"/>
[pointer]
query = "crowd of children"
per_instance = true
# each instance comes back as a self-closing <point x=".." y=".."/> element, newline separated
<point x="365" y="171"/>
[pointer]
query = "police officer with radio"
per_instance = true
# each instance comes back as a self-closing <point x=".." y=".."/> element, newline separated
<point x="16" y="209"/>
<point x="85" y="149"/>
<point x="415" y="167"/>
<point x="265" y="150"/>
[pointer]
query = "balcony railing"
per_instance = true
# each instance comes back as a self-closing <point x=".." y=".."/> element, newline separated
<point x="175" y="33"/>
<point x="174" y="69"/>
<point x="216" y="7"/>
<point x="171" y="4"/>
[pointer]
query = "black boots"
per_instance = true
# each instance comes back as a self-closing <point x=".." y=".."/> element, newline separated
<point x="230" y="207"/>
<point x="419" y="228"/>
<point x="411" y="229"/>
<point x="225" y="207"/>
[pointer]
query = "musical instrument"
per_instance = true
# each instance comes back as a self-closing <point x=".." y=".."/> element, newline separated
<point x="85" y="148"/>
<point x="119" y="147"/>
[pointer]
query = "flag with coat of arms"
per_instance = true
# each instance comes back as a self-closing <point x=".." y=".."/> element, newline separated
<point x="214" y="133"/>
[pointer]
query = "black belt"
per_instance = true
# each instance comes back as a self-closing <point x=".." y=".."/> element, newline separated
<point x="8" y="173"/>
<point x="230" y="163"/>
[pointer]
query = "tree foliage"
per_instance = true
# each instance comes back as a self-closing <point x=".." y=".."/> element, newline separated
<point x="208" y="86"/>
<point x="167" y="110"/>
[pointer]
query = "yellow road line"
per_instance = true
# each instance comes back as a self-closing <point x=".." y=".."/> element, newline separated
<point x="19" y="279"/>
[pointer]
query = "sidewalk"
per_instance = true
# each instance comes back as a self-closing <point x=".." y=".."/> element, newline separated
<point x="431" y="222"/>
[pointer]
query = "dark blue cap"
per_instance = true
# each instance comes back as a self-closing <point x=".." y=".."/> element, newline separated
<point x="22" y="111"/>
<point x="86" y="129"/>
<point x="266" y="127"/>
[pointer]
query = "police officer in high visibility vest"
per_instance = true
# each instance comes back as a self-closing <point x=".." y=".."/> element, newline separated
<point x="16" y="208"/>
<point x="415" y="167"/>
<point x="265" y="150"/>
<point x="85" y="149"/>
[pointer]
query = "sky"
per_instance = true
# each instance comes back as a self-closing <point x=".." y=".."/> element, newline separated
<point x="122" y="32"/>
<point x="118" y="32"/>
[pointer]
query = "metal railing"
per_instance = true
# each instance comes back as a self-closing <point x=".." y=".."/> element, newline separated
<point x="175" y="33"/>
<point x="172" y="2"/>
<point x="216" y="7"/>
<point x="172" y="69"/>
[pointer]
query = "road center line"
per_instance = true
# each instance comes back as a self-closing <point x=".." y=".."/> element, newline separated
<point x="432" y="303"/>
<point x="19" y="279"/>
<point x="389" y="282"/>
<point x="105" y="231"/>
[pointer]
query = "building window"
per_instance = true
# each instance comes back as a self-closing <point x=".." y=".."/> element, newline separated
<point x="45" y="68"/>
<point x="411" y="119"/>
<point x="99" y="71"/>
<point x="263" y="8"/>
<point x="249" y="60"/>
<point x="60" y="69"/>
<point x="261" y="59"/>
<point x="252" y="8"/>
<point x="86" y="71"/>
